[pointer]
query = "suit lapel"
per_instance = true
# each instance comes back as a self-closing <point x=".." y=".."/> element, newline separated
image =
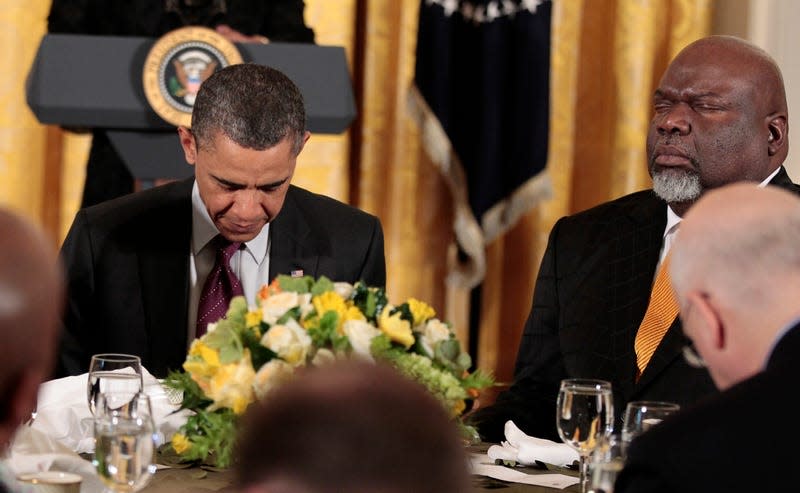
<point x="291" y="241"/>
<point x="164" y="270"/>
<point x="638" y="257"/>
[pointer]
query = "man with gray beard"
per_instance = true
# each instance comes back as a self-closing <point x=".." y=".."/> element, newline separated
<point x="719" y="116"/>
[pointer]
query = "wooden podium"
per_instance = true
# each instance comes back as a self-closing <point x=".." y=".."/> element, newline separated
<point x="96" y="81"/>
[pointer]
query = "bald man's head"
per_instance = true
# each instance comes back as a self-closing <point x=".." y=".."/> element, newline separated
<point x="736" y="273"/>
<point x="31" y="297"/>
<point x="719" y="116"/>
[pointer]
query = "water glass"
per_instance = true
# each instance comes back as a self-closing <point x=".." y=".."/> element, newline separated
<point x="642" y="415"/>
<point x="584" y="413"/>
<point x="113" y="372"/>
<point x="605" y="463"/>
<point x="125" y="441"/>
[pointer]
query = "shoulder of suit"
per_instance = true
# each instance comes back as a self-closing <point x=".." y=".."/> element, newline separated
<point x="174" y="195"/>
<point x="316" y="203"/>
<point x="644" y="202"/>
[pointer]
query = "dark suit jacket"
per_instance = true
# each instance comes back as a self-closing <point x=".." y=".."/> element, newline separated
<point x="729" y="442"/>
<point x="591" y="294"/>
<point x="127" y="263"/>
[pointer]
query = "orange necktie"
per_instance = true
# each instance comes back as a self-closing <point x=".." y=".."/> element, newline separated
<point x="661" y="312"/>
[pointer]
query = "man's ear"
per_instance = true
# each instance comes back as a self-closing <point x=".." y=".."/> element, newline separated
<point x="306" y="136"/>
<point x="778" y="133"/>
<point x="188" y="144"/>
<point x="711" y="335"/>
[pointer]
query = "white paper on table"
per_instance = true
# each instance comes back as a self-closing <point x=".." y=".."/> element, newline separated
<point x="482" y="465"/>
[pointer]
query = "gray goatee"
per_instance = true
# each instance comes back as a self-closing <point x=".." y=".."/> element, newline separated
<point x="677" y="185"/>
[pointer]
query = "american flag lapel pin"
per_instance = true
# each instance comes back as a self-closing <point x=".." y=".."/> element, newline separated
<point x="297" y="273"/>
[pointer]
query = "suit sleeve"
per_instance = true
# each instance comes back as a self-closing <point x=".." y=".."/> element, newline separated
<point x="531" y="400"/>
<point x="373" y="271"/>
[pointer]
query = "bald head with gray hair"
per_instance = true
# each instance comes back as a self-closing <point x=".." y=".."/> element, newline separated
<point x="735" y="268"/>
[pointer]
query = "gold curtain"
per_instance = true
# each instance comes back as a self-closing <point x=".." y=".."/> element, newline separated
<point x="607" y="55"/>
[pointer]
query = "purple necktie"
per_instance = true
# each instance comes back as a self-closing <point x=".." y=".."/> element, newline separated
<point x="220" y="287"/>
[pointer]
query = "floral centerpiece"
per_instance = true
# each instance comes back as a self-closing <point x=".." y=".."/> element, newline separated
<point x="303" y="321"/>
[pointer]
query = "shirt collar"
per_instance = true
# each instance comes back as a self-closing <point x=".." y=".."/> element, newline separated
<point x="673" y="219"/>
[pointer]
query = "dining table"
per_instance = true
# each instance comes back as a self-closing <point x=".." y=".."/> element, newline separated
<point x="195" y="479"/>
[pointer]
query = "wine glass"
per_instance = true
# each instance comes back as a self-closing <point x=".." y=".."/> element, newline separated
<point x="606" y="461"/>
<point x="584" y="414"/>
<point x="641" y="415"/>
<point x="125" y="440"/>
<point x="112" y="372"/>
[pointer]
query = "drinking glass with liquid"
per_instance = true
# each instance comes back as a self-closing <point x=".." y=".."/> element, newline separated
<point x="113" y="372"/>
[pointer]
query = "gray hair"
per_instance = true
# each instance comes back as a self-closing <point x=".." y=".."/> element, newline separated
<point x="255" y="106"/>
<point x="742" y="258"/>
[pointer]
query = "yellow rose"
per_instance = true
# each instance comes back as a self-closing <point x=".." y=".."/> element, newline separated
<point x="420" y="310"/>
<point x="252" y="318"/>
<point x="352" y="313"/>
<point x="202" y="363"/>
<point x="324" y="303"/>
<point x="396" y="328"/>
<point x="232" y="385"/>
<point x="180" y="443"/>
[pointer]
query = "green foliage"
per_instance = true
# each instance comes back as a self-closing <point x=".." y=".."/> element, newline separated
<point x="370" y="301"/>
<point x="212" y="437"/>
<point x="322" y="285"/>
<point x="405" y="313"/>
<point x="325" y="332"/>
<point x="259" y="355"/>
<point x="227" y="340"/>
<point x="193" y="396"/>
<point x="300" y="285"/>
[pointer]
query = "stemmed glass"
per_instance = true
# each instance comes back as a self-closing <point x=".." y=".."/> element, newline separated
<point x="112" y="372"/>
<point x="641" y="415"/>
<point x="584" y="414"/>
<point x="125" y="440"/>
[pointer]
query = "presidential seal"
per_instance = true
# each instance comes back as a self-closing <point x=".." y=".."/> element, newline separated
<point x="177" y="64"/>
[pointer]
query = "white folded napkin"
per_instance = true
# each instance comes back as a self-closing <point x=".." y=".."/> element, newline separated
<point x="527" y="450"/>
<point x="62" y="411"/>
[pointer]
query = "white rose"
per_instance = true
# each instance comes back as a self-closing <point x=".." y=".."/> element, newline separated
<point x="433" y="332"/>
<point x="360" y="333"/>
<point x="277" y="305"/>
<point x="323" y="357"/>
<point x="343" y="289"/>
<point x="304" y="300"/>
<point x="271" y="375"/>
<point x="290" y="341"/>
